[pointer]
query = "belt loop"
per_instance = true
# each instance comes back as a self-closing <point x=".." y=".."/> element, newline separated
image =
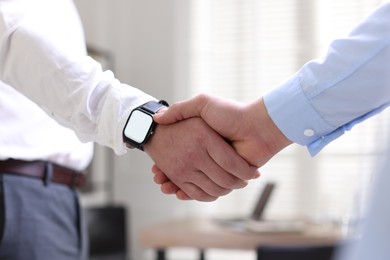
<point x="48" y="173"/>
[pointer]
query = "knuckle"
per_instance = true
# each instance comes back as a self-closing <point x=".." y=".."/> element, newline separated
<point x="203" y="97"/>
<point x="214" y="189"/>
<point x="234" y="183"/>
<point x="229" y="182"/>
<point x="248" y="174"/>
<point x="219" y="192"/>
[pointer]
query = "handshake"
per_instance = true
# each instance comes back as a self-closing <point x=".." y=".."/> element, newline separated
<point x="207" y="146"/>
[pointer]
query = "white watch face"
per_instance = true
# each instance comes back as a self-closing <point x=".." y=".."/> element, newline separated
<point x="138" y="126"/>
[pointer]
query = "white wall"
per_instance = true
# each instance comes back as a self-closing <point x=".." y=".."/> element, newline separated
<point x="145" y="38"/>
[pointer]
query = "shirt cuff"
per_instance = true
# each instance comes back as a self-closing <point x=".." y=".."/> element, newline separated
<point x="292" y="112"/>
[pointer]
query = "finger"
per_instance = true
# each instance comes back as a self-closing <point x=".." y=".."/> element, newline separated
<point x="159" y="176"/>
<point x="181" y="195"/>
<point x="209" y="188"/>
<point x="218" y="178"/>
<point x="207" y="185"/>
<point x="155" y="169"/>
<point x="181" y="110"/>
<point x="169" y="188"/>
<point x="227" y="158"/>
<point x="224" y="166"/>
<point x="196" y="193"/>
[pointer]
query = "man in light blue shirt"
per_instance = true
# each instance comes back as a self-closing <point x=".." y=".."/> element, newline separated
<point x="330" y="95"/>
<point x="318" y="104"/>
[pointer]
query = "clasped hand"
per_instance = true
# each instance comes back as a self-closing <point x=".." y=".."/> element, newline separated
<point x="211" y="146"/>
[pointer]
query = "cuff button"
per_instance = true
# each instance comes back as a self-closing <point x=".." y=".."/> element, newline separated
<point x="308" y="132"/>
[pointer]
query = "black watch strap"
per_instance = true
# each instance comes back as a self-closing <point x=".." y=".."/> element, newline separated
<point x="153" y="107"/>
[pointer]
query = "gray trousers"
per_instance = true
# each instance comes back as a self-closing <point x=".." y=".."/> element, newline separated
<point x="40" y="221"/>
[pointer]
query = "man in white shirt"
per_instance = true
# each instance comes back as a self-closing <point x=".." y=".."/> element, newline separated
<point x="46" y="74"/>
<point x="315" y="106"/>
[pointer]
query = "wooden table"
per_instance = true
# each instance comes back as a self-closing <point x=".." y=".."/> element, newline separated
<point x="205" y="234"/>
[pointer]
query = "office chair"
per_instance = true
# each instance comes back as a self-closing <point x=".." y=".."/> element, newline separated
<point x="324" y="252"/>
<point x="107" y="232"/>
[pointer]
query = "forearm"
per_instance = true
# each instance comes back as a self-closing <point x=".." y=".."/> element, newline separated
<point x="68" y="85"/>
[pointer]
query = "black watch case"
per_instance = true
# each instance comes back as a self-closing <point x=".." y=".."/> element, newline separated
<point x="140" y="125"/>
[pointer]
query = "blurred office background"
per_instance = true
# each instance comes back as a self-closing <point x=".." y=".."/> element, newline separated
<point x="239" y="49"/>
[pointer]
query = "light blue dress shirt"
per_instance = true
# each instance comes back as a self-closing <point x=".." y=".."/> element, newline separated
<point x="329" y="96"/>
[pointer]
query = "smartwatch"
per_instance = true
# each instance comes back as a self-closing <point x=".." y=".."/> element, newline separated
<point x="140" y="124"/>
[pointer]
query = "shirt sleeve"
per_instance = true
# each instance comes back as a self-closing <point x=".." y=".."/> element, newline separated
<point x="43" y="56"/>
<point x="328" y="96"/>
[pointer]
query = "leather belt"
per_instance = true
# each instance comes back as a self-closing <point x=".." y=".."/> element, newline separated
<point x="44" y="170"/>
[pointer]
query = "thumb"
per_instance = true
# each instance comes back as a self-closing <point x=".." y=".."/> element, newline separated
<point x="178" y="111"/>
<point x="165" y="116"/>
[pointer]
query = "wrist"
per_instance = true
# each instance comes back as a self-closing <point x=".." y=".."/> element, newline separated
<point x="265" y="129"/>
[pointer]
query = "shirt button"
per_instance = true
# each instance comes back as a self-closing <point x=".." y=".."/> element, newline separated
<point x="308" y="132"/>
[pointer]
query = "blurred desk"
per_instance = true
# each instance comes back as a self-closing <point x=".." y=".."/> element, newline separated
<point x="206" y="234"/>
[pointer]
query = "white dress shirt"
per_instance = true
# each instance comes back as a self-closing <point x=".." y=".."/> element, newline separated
<point x="44" y="67"/>
<point x="329" y="96"/>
